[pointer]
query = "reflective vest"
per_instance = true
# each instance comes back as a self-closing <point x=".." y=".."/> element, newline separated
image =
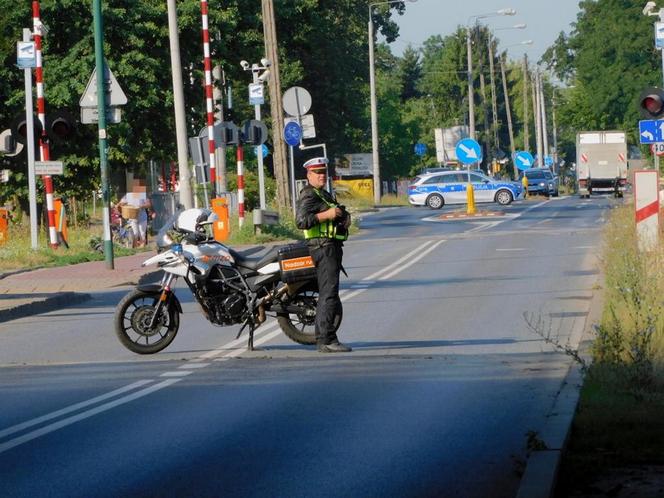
<point x="326" y="229"/>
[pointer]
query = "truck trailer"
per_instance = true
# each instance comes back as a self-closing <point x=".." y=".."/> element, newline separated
<point x="601" y="162"/>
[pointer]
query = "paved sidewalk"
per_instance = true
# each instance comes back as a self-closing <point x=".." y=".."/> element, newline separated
<point x="29" y="292"/>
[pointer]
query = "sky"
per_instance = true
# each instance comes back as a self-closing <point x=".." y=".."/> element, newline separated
<point x="545" y="19"/>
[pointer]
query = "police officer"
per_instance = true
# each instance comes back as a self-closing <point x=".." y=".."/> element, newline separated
<point x="325" y="224"/>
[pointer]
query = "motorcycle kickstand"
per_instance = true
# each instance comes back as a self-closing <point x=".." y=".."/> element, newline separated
<point x="252" y="327"/>
<point x="250" y="344"/>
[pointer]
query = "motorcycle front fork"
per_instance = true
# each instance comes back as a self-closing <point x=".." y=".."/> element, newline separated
<point x="167" y="280"/>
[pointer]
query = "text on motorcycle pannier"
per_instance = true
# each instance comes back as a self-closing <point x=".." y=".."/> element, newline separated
<point x="295" y="263"/>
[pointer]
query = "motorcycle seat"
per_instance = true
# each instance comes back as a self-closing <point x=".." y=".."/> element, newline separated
<point x="251" y="262"/>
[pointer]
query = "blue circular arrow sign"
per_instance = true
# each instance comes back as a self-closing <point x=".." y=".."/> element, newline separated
<point x="420" y="149"/>
<point x="524" y="160"/>
<point x="264" y="150"/>
<point x="468" y="151"/>
<point x="292" y="133"/>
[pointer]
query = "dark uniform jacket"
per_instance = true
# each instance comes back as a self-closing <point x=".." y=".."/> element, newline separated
<point x="309" y="205"/>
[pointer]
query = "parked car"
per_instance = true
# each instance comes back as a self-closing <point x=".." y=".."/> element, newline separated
<point x="542" y="181"/>
<point x="449" y="187"/>
<point x="436" y="169"/>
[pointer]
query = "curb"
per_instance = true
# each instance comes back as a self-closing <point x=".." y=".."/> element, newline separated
<point x="50" y="303"/>
<point x="539" y="478"/>
<point x="541" y="472"/>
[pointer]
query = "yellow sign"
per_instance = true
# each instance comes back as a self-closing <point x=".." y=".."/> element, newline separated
<point x="354" y="189"/>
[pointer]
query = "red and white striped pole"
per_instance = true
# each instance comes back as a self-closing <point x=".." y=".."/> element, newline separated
<point x="41" y="114"/>
<point x="240" y="184"/>
<point x="209" y="102"/>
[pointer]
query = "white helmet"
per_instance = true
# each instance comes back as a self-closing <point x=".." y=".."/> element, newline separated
<point x="194" y="220"/>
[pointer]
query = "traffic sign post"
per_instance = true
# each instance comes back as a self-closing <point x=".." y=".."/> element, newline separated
<point x="292" y="136"/>
<point x="659" y="35"/>
<point x="469" y="152"/>
<point x="306" y="122"/>
<point x="296" y="101"/>
<point x="114" y="94"/>
<point x="651" y="131"/>
<point x="657" y="149"/>
<point x="292" y="133"/>
<point x="646" y="208"/>
<point x="264" y="151"/>
<point x="49" y="167"/>
<point x="524" y="160"/>
<point x="26" y="56"/>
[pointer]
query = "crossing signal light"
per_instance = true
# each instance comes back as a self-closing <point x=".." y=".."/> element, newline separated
<point x="227" y="133"/>
<point x="19" y="128"/>
<point x="254" y="132"/>
<point x="651" y="103"/>
<point x="60" y="126"/>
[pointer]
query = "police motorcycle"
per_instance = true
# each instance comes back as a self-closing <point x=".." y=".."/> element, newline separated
<point x="231" y="287"/>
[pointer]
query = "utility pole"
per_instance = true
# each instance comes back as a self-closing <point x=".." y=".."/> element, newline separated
<point x="555" y="133"/>
<point x="486" y="115"/>
<point x="274" y="85"/>
<point x="471" y="96"/>
<point x="509" y="112"/>
<point x="538" y="118"/>
<point x="494" y="103"/>
<point x="526" y="141"/>
<point x="545" y="138"/>
<point x="186" y="197"/>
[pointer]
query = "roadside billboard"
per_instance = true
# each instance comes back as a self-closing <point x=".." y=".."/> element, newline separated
<point x="446" y="141"/>
<point x="354" y="165"/>
<point x="354" y="189"/>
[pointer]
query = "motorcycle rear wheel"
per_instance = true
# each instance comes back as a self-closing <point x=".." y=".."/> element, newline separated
<point x="301" y="326"/>
<point x="132" y="318"/>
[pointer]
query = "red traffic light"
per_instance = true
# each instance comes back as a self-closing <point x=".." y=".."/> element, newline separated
<point x="651" y="103"/>
<point x="60" y="125"/>
<point x="19" y="128"/>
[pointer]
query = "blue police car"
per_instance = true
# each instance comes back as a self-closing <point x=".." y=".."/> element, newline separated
<point x="449" y="187"/>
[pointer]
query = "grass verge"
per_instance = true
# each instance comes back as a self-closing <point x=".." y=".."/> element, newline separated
<point x="619" y="422"/>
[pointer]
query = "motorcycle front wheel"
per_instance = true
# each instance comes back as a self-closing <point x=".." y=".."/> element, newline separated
<point x="132" y="322"/>
<point x="299" y="323"/>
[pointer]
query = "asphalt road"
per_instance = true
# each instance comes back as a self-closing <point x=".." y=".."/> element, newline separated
<point x="446" y="379"/>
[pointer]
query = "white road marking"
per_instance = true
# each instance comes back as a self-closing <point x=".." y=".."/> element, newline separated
<point x="262" y="336"/>
<point x="191" y="364"/>
<point x="86" y="414"/>
<point x="177" y="373"/>
<point x="68" y="409"/>
<point x="510" y="217"/>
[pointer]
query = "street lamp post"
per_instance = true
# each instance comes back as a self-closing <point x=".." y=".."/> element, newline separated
<point x="258" y="80"/>
<point x="374" y="112"/>
<point x="469" y="55"/>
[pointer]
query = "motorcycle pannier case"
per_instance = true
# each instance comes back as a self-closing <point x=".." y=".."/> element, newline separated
<point x="296" y="263"/>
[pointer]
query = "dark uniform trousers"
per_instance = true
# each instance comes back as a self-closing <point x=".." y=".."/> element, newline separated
<point x="327" y="255"/>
